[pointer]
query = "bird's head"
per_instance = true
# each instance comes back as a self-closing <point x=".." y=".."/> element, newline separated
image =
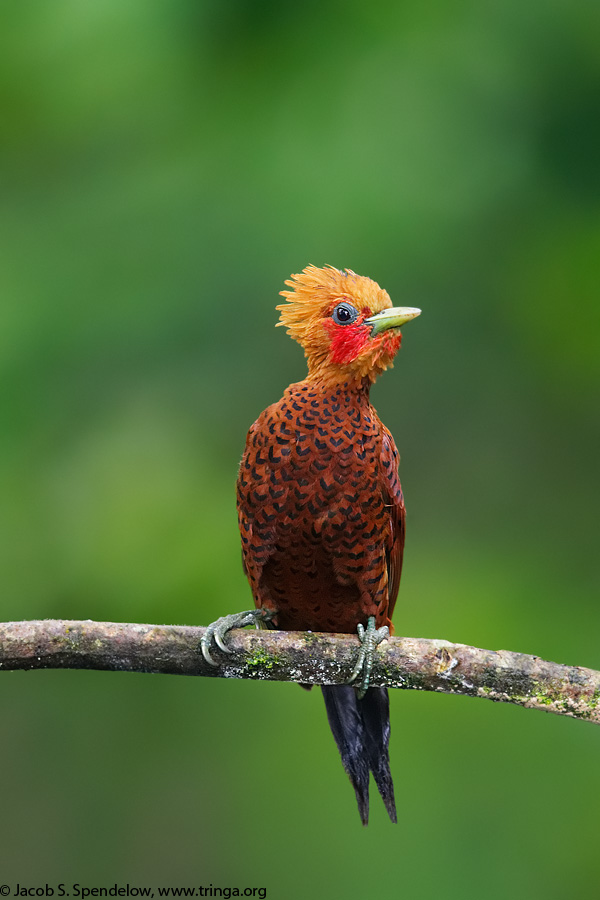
<point x="345" y="322"/>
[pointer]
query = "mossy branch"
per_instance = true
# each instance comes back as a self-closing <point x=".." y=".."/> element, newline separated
<point x="410" y="663"/>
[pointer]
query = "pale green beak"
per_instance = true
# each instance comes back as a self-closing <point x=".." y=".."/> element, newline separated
<point x="391" y="318"/>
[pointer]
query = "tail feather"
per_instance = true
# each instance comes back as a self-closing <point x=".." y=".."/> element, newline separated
<point x="361" y="729"/>
<point x="346" y="724"/>
<point x="375" y="708"/>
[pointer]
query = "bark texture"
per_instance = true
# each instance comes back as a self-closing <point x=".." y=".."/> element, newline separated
<point x="310" y="658"/>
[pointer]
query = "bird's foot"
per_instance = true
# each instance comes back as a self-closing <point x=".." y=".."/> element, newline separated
<point x="369" y="637"/>
<point x="216" y="631"/>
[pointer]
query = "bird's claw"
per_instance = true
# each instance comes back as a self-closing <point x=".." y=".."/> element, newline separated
<point x="217" y="631"/>
<point x="369" y="637"/>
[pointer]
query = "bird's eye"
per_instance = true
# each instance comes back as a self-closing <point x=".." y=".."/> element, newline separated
<point x="344" y="314"/>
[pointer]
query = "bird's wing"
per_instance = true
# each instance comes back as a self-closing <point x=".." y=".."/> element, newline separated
<point x="252" y="500"/>
<point x="394" y="501"/>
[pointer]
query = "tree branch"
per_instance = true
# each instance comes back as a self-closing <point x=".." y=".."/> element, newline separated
<point x="310" y="658"/>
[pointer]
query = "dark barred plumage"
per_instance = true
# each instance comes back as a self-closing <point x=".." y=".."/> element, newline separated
<point x="321" y="511"/>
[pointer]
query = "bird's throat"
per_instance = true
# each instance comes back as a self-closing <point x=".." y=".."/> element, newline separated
<point x="331" y="381"/>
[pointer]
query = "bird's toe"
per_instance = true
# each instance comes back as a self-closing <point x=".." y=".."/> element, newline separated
<point x="217" y="631"/>
<point x="370" y="638"/>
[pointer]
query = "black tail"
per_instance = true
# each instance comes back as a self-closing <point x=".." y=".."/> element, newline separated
<point x="361" y="729"/>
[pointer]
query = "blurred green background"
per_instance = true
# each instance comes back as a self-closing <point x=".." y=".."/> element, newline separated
<point x="164" y="166"/>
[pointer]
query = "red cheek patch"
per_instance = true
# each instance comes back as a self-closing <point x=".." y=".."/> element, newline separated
<point x="346" y="341"/>
<point x="391" y="342"/>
